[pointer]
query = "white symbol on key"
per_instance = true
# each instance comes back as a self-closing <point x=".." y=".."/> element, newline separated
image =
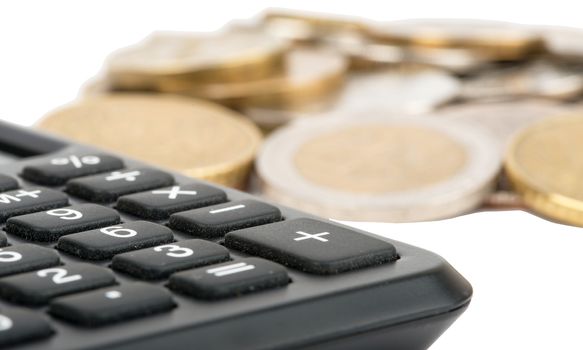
<point x="113" y="294"/>
<point x="222" y="210"/>
<point x="174" y="192"/>
<point x="118" y="175"/>
<point x="9" y="198"/>
<point x="5" y="323"/>
<point x="76" y="161"/>
<point x="317" y="236"/>
<point x="230" y="269"/>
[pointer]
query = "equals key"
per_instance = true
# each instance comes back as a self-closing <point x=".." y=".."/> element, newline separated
<point x="217" y="220"/>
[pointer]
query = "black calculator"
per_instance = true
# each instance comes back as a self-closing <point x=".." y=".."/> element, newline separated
<point x="99" y="251"/>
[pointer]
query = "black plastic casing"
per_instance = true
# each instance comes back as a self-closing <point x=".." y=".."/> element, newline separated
<point x="401" y="305"/>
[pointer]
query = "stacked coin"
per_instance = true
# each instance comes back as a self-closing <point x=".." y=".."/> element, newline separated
<point x="395" y="121"/>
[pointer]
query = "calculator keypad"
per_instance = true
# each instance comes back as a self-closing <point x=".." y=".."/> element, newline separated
<point x="39" y="287"/>
<point x="217" y="220"/>
<point x="30" y="200"/>
<point x="104" y="243"/>
<point x="160" y="203"/>
<point x="60" y="169"/>
<point x="108" y="187"/>
<point x="162" y="261"/>
<point x="114" y="304"/>
<point x="88" y="295"/>
<point x="230" y="279"/>
<point x="49" y="225"/>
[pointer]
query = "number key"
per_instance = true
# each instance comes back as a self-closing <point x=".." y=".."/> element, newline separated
<point x="162" y="261"/>
<point x="50" y="225"/>
<point x="26" y="257"/>
<point x="18" y="326"/>
<point x="106" y="242"/>
<point x="39" y="287"/>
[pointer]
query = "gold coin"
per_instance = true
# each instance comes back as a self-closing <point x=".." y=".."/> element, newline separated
<point x="308" y="26"/>
<point x="545" y="166"/>
<point x="220" y="57"/>
<point x="310" y="75"/>
<point x="503" y="119"/>
<point x="194" y="137"/>
<point x="494" y="40"/>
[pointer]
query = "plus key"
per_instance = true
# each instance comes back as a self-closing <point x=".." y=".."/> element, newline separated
<point x="313" y="246"/>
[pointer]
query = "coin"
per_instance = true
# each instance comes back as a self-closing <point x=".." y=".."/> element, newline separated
<point x="563" y="42"/>
<point x="412" y="90"/>
<point x="308" y="26"/>
<point x="502" y="119"/>
<point x="179" y="58"/>
<point x="376" y="168"/>
<point x="504" y="200"/>
<point x="194" y="137"/>
<point x="310" y="75"/>
<point x="545" y="166"/>
<point x="491" y="39"/>
<point x="408" y="90"/>
<point x="536" y="79"/>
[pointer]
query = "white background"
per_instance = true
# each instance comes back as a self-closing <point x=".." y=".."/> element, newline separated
<point x="526" y="272"/>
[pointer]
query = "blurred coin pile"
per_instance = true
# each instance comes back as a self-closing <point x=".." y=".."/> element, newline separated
<point x="396" y="121"/>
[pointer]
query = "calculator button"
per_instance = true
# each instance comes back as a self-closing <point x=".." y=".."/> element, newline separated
<point x="39" y="287"/>
<point x="159" y="204"/>
<point x="19" y="326"/>
<point x="217" y="220"/>
<point x="7" y="183"/>
<point x="312" y="246"/>
<point x="104" y="243"/>
<point x="114" y="304"/>
<point x="230" y="279"/>
<point x="108" y="187"/>
<point x="60" y="169"/>
<point x="30" y="200"/>
<point x="3" y="239"/>
<point x="49" y="225"/>
<point x="26" y="257"/>
<point x="162" y="261"/>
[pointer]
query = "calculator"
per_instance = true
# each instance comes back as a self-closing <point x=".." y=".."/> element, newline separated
<point x="100" y="251"/>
